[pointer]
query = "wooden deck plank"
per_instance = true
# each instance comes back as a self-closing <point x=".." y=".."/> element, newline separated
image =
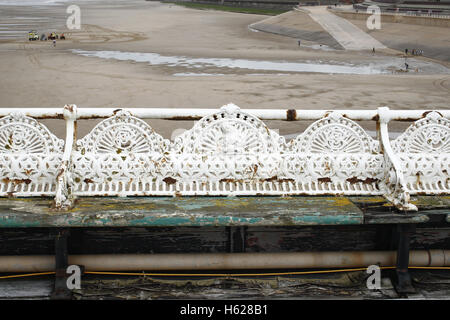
<point x="28" y="289"/>
<point x="217" y="211"/>
<point x="188" y="211"/>
<point x="378" y="210"/>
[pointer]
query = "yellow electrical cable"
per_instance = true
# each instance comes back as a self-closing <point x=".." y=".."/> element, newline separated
<point x="228" y="274"/>
<point x="218" y="274"/>
<point x="437" y="268"/>
<point x="26" y="275"/>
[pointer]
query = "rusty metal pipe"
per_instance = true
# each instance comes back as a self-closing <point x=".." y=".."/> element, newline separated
<point x="37" y="113"/>
<point x="263" y="114"/>
<point x="196" y="114"/>
<point x="224" y="261"/>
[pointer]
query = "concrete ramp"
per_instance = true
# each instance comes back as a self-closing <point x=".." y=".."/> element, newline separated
<point x="347" y="34"/>
<point x="299" y="25"/>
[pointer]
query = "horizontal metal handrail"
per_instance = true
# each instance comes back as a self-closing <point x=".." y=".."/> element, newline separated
<point x="197" y="114"/>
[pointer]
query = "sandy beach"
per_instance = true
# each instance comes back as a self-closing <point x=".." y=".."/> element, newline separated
<point x="36" y="74"/>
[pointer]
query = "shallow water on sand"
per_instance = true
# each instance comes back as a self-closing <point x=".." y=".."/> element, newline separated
<point x="30" y="2"/>
<point x="377" y="67"/>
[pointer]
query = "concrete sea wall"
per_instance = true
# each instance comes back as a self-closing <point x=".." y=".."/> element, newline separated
<point x="392" y="18"/>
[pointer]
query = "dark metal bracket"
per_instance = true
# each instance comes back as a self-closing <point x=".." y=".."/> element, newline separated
<point x="61" y="292"/>
<point x="236" y="239"/>
<point x="404" y="283"/>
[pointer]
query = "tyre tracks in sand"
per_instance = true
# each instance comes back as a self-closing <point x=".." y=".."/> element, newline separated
<point x="91" y="34"/>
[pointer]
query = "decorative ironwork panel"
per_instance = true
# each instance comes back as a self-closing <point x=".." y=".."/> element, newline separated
<point x="30" y="156"/>
<point x="424" y="152"/>
<point x="119" y="156"/>
<point x="335" y="134"/>
<point x="336" y="153"/>
<point x="227" y="152"/>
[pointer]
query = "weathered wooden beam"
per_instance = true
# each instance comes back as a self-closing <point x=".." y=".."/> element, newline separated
<point x="378" y="211"/>
<point x="205" y="211"/>
<point x="216" y="211"/>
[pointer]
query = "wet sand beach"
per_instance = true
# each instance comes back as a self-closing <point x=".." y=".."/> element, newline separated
<point x="36" y="74"/>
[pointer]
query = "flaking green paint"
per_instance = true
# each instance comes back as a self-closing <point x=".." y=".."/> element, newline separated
<point x="209" y="211"/>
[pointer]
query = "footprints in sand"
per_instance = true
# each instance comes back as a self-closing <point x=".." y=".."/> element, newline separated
<point x="31" y="55"/>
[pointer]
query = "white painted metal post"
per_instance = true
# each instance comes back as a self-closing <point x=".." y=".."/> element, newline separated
<point x="393" y="182"/>
<point x="64" y="195"/>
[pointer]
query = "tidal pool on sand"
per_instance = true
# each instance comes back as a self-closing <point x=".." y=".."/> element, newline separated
<point x="378" y="67"/>
<point x="180" y="61"/>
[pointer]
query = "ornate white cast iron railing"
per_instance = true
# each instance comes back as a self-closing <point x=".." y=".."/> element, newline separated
<point x="228" y="152"/>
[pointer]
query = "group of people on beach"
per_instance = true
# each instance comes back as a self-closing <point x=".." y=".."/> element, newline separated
<point x="52" y="36"/>
<point x="415" y="52"/>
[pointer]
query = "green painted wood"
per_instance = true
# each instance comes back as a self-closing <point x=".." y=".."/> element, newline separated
<point x="423" y="203"/>
<point x="187" y="211"/>
<point x="394" y="218"/>
<point x="429" y="204"/>
<point x="217" y="211"/>
<point x="378" y="211"/>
